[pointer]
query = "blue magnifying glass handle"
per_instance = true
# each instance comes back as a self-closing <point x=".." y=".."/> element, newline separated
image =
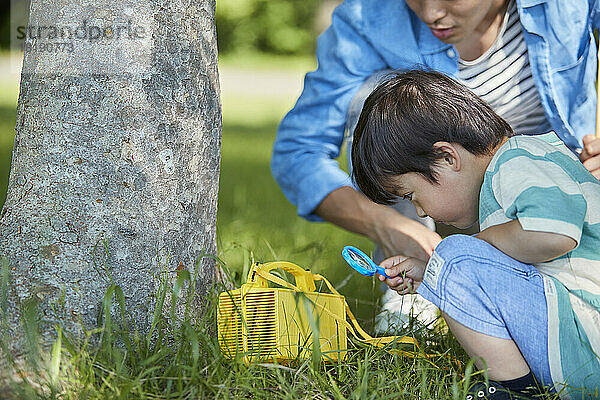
<point x="361" y="262"/>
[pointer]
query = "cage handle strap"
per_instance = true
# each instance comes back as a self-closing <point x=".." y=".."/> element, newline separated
<point x="304" y="278"/>
<point x="379" y="342"/>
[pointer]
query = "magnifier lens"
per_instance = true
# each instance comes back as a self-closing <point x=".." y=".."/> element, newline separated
<point x="360" y="260"/>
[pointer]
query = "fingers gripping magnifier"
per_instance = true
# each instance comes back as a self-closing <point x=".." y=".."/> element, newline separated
<point x="361" y="262"/>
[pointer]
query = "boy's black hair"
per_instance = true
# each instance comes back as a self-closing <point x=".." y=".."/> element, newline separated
<point x="403" y="118"/>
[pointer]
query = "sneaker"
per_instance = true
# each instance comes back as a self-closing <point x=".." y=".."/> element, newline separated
<point x="493" y="390"/>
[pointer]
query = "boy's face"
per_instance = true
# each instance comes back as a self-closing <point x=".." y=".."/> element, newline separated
<point x="454" y="198"/>
<point x="449" y="201"/>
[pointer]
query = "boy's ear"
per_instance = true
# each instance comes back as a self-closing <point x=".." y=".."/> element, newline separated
<point x="449" y="156"/>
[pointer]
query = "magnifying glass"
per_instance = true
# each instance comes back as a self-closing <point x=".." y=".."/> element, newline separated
<point x="361" y="262"/>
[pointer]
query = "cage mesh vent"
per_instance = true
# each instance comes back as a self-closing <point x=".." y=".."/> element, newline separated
<point x="229" y="320"/>
<point x="261" y="322"/>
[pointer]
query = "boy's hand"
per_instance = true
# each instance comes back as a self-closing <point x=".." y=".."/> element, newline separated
<point x="590" y="155"/>
<point x="406" y="272"/>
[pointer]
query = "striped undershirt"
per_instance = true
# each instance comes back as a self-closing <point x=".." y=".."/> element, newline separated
<point x="502" y="77"/>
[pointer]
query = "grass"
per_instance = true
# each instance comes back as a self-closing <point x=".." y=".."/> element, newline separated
<point x="184" y="362"/>
<point x="254" y="223"/>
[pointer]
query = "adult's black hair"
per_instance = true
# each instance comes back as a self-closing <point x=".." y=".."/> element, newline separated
<point x="403" y="118"/>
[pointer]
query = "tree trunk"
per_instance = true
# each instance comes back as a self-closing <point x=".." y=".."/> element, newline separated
<point x="115" y="164"/>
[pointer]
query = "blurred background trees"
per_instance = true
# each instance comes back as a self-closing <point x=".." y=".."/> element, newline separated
<point x="271" y="26"/>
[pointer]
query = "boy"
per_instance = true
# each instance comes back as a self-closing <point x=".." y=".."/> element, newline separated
<point x="523" y="296"/>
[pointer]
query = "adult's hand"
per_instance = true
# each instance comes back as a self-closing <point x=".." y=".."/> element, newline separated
<point x="395" y="233"/>
<point x="590" y="155"/>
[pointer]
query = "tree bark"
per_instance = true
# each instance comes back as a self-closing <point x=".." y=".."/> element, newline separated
<point x="115" y="164"/>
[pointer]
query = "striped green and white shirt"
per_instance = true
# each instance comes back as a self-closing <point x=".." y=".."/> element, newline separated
<point x="537" y="180"/>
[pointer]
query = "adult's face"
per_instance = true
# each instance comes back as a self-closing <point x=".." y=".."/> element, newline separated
<point x="453" y="21"/>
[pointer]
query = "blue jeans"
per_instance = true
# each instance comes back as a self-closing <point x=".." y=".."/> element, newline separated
<point x="489" y="292"/>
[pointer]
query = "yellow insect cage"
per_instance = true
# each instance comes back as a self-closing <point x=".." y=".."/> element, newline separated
<point x="268" y="324"/>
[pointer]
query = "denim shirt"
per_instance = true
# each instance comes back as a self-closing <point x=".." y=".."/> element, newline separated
<point x="367" y="36"/>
